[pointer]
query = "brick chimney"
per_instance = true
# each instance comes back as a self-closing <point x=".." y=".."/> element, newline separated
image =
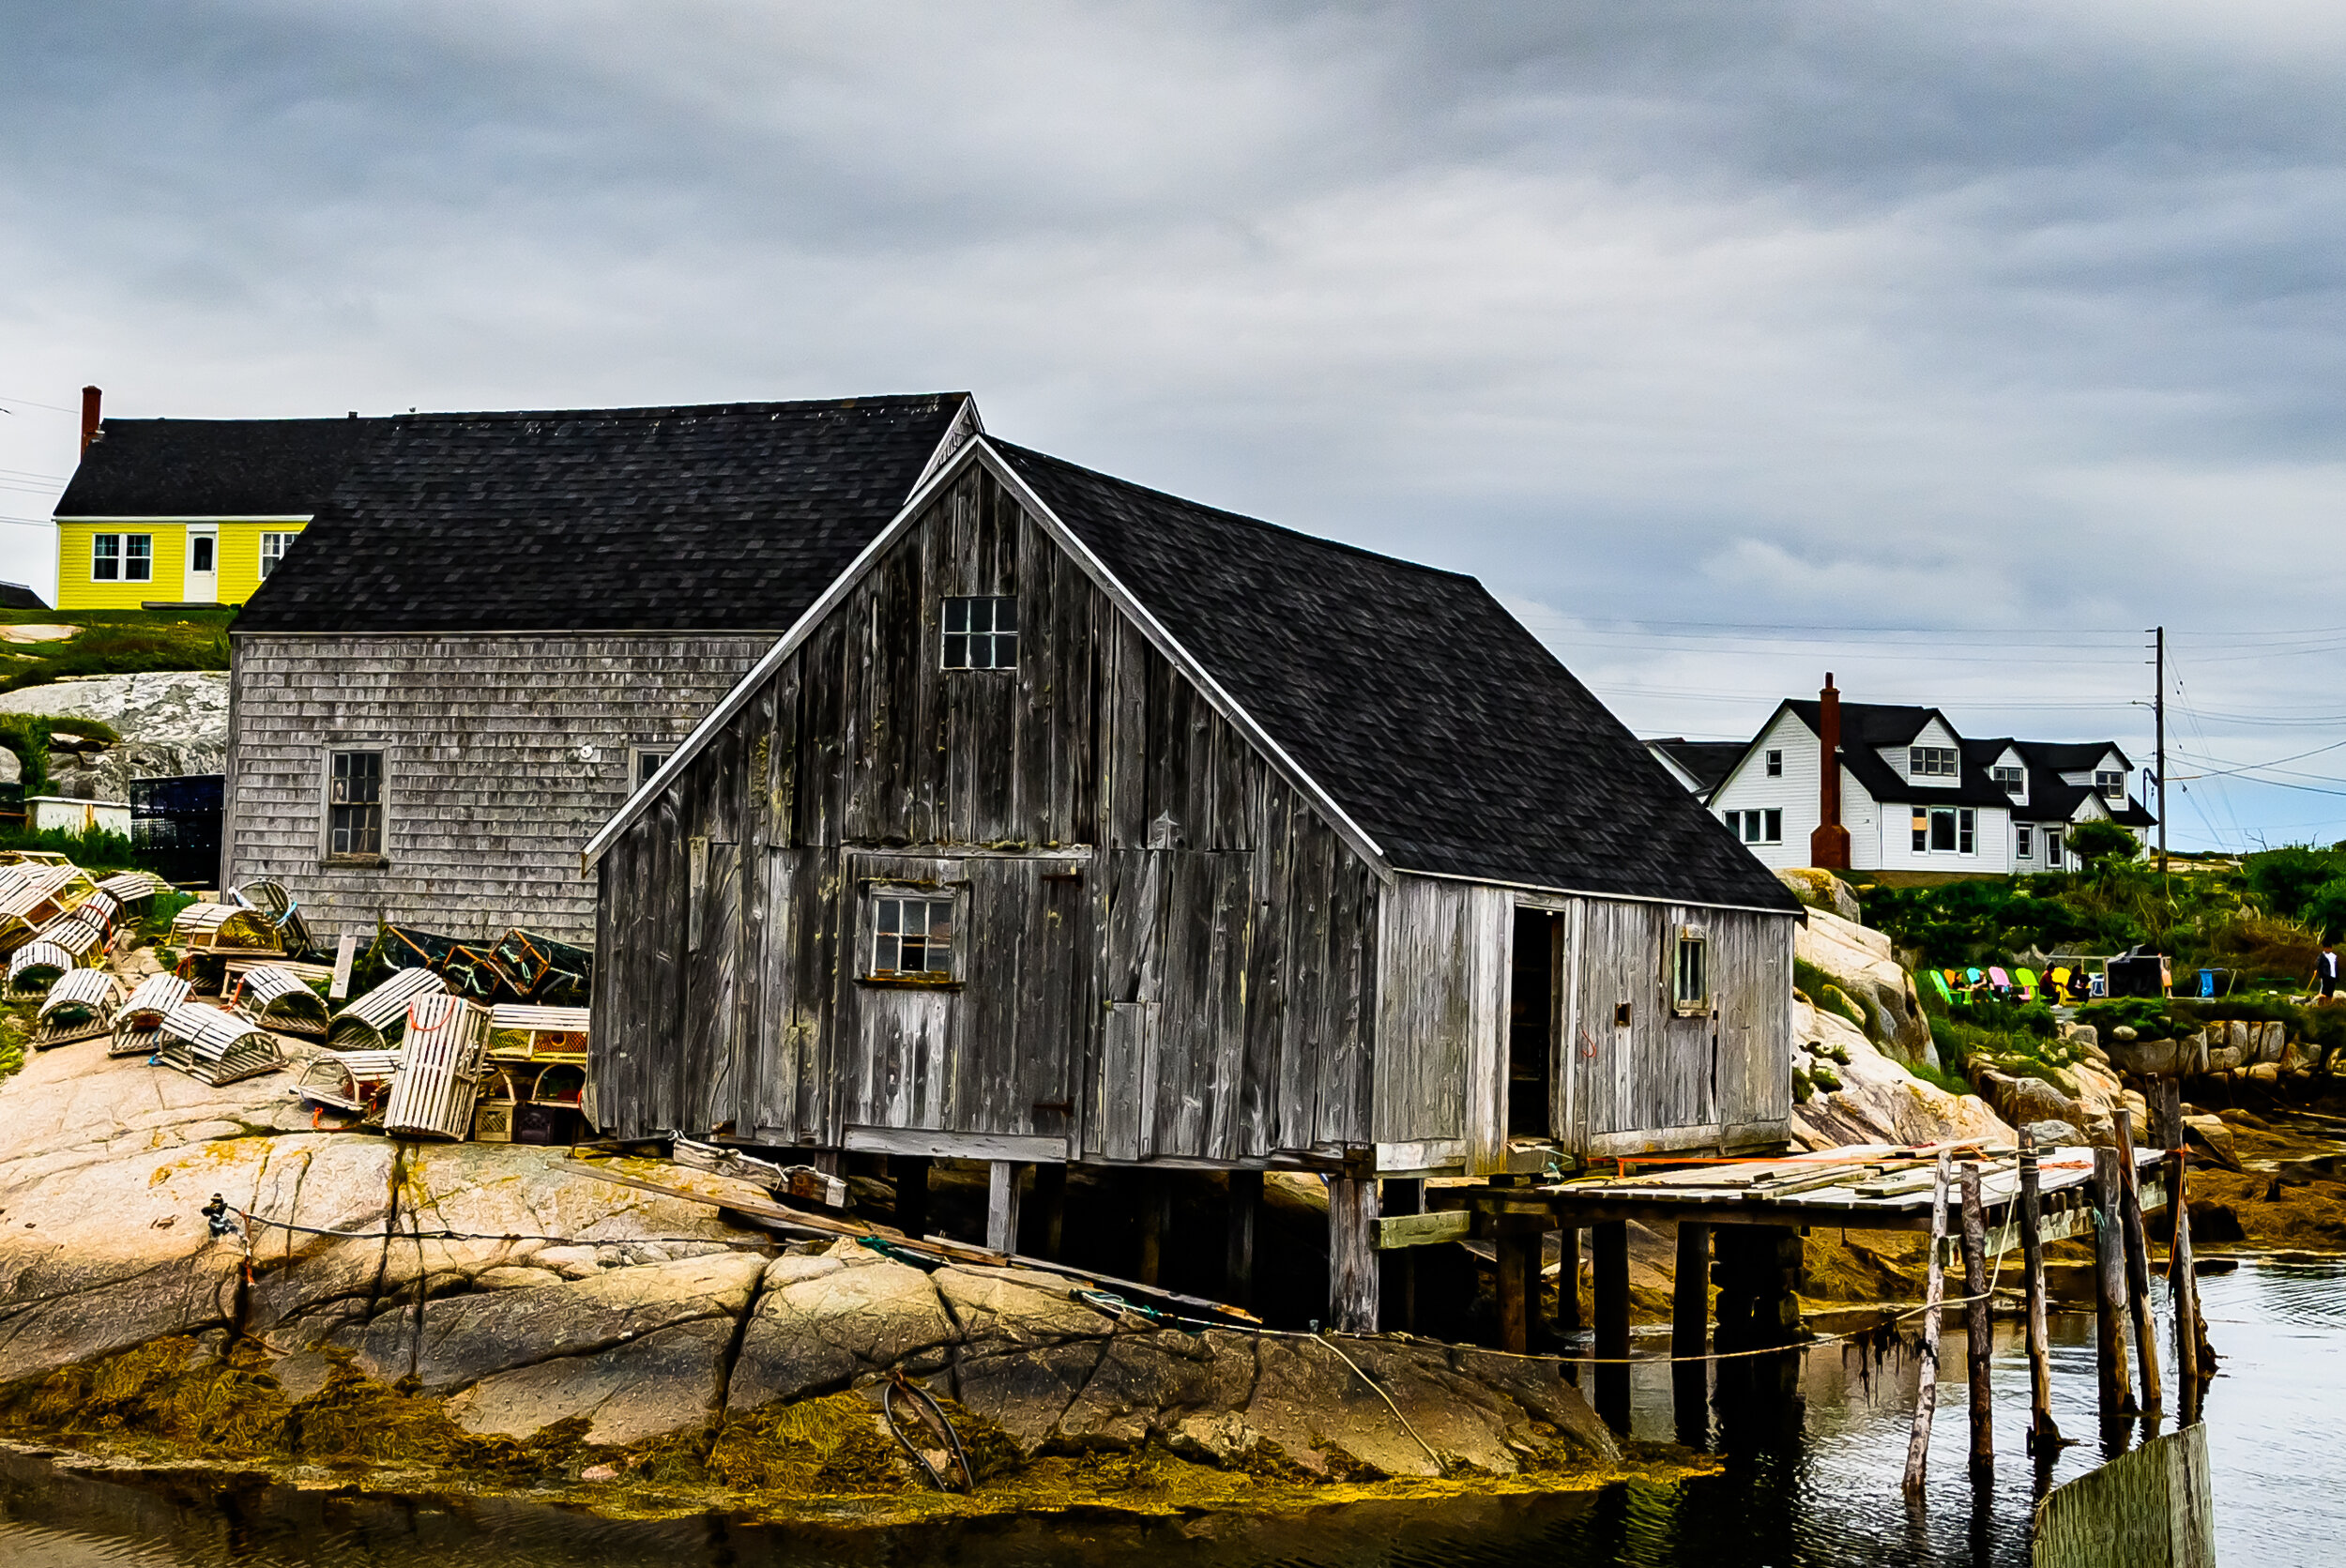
<point x="1828" y="846"/>
<point x="89" y="415"/>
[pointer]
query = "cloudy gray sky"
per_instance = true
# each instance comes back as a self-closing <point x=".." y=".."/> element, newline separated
<point x="1947" y="348"/>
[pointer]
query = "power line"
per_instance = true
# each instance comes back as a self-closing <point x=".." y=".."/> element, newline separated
<point x="28" y="402"/>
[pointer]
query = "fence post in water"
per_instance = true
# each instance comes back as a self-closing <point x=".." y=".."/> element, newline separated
<point x="2116" y="1396"/>
<point x="1608" y="1241"/>
<point x="1926" y="1390"/>
<point x="2139" y="1267"/>
<point x="1690" y="1292"/>
<point x="2044" y="1438"/>
<point x="1978" y="1344"/>
<point x="2183" y="1285"/>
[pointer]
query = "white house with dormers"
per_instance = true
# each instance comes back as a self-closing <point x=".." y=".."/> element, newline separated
<point x="1917" y="796"/>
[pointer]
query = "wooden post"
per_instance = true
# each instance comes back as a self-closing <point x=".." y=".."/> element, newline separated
<point x="2116" y="1394"/>
<point x="1609" y="1243"/>
<point x="911" y="1175"/>
<point x="1238" y="1264"/>
<point x="1934" y="1290"/>
<point x="1979" y="1346"/>
<point x="1512" y="1273"/>
<point x="1690" y="1292"/>
<point x="1353" y="1254"/>
<point x="1401" y="1195"/>
<point x="1156" y="1218"/>
<point x="1001" y="1206"/>
<point x="2044" y="1438"/>
<point x="1045" y="1218"/>
<point x="2138" y="1266"/>
<point x="1568" y="1280"/>
<point x="2183" y="1284"/>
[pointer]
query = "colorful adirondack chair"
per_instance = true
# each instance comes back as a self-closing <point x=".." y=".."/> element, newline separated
<point x="1938" y="983"/>
<point x="2059" y="980"/>
<point x="2028" y="983"/>
<point x="1997" y="980"/>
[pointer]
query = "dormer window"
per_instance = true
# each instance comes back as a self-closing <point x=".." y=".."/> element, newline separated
<point x="2011" y="781"/>
<point x="1930" y="762"/>
<point x="2113" y="786"/>
<point x="982" y="633"/>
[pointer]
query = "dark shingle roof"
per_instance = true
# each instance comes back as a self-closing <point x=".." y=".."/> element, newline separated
<point x="1708" y="761"/>
<point x="213" y="467"/>
<point x="2049" y="800"/>
<point x="1868" y="725"/>
<point x="725" y="517"/>
<point x="1428" y="712"/>
<point x="16" y="596"/>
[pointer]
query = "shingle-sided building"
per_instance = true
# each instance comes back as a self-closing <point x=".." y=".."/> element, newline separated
<point x="1076" y="822"/>
<point x="498" y="624"/>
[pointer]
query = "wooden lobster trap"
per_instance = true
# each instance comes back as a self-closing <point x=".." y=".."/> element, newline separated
<point x="81" y="1005"/>
<point x="61" y="948"/>
<point x="217" y="1047"/>
<point x="492" y="1113"/>
<point x="127" y="888"/>
<point x="519" y="1032"/>
<point x="99" y="911"/>
<point x="210" y="927"/>
<point x="349" y="1080"/>
<point x="284" y="914"/>
<point x="543" y="969"/>
<point x="375" y="1020"/>
<point x="475" y="973"/>
<point x="139" y="1022"/>
<point x="46" y="893"/>
<point x="432" y="1095"/>
<point x="277" y="999"/>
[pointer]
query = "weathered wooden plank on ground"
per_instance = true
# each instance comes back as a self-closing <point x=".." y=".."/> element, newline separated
<point x="2151" y="1508"/>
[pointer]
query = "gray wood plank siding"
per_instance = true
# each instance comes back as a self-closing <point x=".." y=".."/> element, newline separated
<point x="487" y="798"/>
<point x="1168" y="953"/>
<point x="1163" y="952"/>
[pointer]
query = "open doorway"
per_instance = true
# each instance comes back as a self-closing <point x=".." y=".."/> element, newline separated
<point x="1531" y="1013"/>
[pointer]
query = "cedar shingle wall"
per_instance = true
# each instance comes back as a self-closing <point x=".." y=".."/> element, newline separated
<point x="488" y="802"/>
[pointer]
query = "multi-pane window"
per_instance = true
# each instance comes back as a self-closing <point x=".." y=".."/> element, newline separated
<point x="1690" y="975"/>
<point x="982" y="633"/>
<point x="2113" y="785"/>
<point x="2052" y="847"/>
<point x="273" y="548"/>
<point x="1757" y="827"/>
<point x="1946" y="830"/>
<point x="2011" y="781"/>
<point x="1775" y="765"/>
<point x="122" y="557"/>
<point x="2023" y="842"/>
<point x="1931" y="762"/>
<point x="353" y="803"/>
<point x="913" y="936"/>
<point x="648" y="760"/>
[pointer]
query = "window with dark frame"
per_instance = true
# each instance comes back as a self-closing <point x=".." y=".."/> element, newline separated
<point x="1931" y="762"/>
<point x="2011" y="781"/>
<point x="122" y="557"/>
<point x="1690" y="978"/>
<point x="1775" y="765"/>
<point x="1946" y="830"/>
<point x="648" y="760"/>
<point x="2113" y="786"/>
<point x="913" y="936"/>
<point x="354" y="804"/>
<point x="982" y="632"/>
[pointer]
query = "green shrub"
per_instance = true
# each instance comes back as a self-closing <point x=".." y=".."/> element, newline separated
<point x="27" y="735"/>
<point x="99" y="852"/>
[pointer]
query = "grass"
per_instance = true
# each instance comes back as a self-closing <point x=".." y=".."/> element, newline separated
<point x="115" y="641"/>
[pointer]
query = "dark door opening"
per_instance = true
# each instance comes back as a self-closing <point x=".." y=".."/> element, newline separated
<point x="1531" y="1013"/>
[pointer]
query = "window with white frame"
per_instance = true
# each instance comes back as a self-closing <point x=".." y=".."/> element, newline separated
<point x="1690" y="973"/>
<point x="122" y="557"/>
<point x="2023" y="842"/>
<point x="912" y="934"/>
<point x="2113" y="786"/>
<point x="2011" y="781"/>
<point x="2052" y="847"/>
<point x="1775" y="765"/>
<point x="353" y="803"/>
<point x="273" y="548"/>
<point x="982" y="633"/>
<point x="1757" y="827"/>
<point x="1931" y="762"/>
<point x="1945" y="831"/>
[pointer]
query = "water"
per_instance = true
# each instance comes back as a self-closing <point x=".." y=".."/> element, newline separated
<point x="1811" y="1483"/>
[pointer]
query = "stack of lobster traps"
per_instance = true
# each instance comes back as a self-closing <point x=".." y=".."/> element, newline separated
<point x="519" y="966"/>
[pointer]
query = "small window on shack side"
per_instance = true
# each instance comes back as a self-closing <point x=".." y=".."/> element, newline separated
<point x="353" y="803"/>
<point x="647" y="760"/>
<point x="1690" y="973"/>
<point x="911" y="936"/>
<point x="982" y="633"/>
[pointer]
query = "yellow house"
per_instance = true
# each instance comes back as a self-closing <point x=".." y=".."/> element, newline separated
<point x="191" y="512"/>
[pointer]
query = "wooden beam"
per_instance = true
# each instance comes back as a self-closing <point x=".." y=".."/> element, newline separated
<point x="1690" y="1292"/>
<point x="1001" y="1206"/>
<point x="2138" y="1266"/>
<point x="1352" y="1279"/>
<point x="1568" y="1280"/>
<point x="1979" y="1345"/>
<point x="1237" y="1266"/>
<point x="1423" y="1230"/>
<point x="2116" y="1394"/>
<point x="1609" y="1244"/>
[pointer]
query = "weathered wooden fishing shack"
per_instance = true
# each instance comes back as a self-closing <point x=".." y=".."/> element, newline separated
<point x="1076" y="822"/>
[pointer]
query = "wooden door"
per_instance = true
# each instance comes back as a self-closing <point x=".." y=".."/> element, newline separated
<point x="976" y="1032"/>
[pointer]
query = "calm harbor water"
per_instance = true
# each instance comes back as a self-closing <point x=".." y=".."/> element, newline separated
<point x="1811" y="1482"/>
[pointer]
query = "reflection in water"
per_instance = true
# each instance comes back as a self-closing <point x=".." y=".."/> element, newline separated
<point x="1814" y="1443"/>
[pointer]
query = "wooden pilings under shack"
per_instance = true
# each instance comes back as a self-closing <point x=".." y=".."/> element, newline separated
<point x="81" y="1005"/>
<point x="215" y="1045"/>
<point x="277" y="999"/>
<point x="446" y="1041"/>
<point x="138" y="1028"/>
<point x="377" y="1020"/>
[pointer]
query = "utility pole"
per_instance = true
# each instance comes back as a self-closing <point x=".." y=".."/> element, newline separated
<point x="2159" y="721"/>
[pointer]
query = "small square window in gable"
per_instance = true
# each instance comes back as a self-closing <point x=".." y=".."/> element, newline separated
<point x="982" y="632"/>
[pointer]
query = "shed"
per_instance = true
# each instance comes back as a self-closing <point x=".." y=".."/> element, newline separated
<point x="1076" y="822"/>
<point x="498" y="624"/>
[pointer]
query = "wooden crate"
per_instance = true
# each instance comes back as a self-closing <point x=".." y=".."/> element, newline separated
<point x="276" y="999"/>
<point x="519" y="1032"/>
<point x="374" y="1020"/>
<point x="81" y="1005"/>
<point x="433" y="1096"/>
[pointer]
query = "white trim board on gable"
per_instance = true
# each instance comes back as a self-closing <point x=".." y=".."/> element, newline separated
<point x="978" y="449"/>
